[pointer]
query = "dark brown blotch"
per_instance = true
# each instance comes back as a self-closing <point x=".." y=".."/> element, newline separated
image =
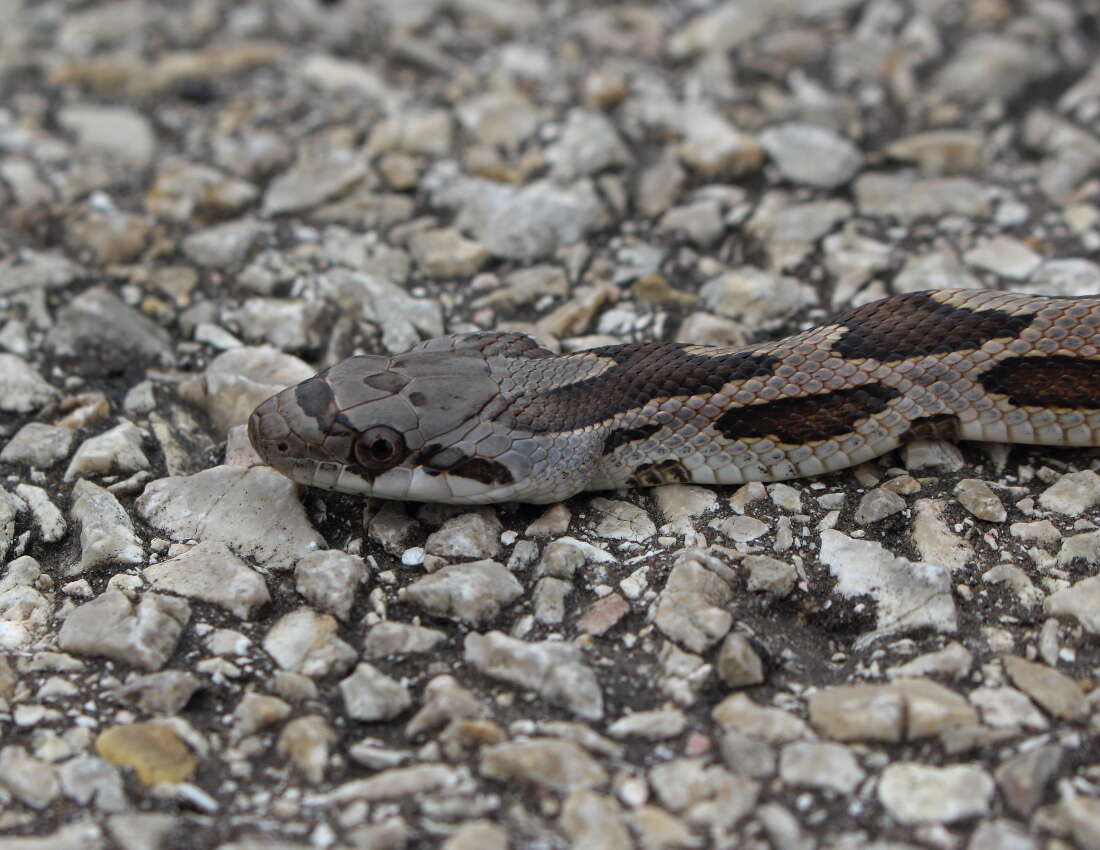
<point x="917" y="325"/>
<point x="667" y="471"/>
<point x="418" y="399"/>
<point x="1056" y="381"/>
<point x="640" y="373"/>
<point x="623" y="436"/>
<point x="802" y="420"/>
<point x="944" y="426"/>
<point x="315" y="398"/>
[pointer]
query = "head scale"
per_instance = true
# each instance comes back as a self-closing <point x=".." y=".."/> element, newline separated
<point x="417" y="426"/>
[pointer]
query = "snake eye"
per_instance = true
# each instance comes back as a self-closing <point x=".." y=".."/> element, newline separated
<point x="379" y="448"/>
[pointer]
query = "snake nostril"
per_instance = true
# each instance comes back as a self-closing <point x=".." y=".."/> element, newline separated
<point x="283" y="448"/>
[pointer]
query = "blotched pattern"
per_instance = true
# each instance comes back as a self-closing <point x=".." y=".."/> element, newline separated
<point x="493" y="417"/>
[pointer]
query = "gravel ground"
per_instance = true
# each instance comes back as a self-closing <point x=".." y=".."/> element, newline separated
<point x="203" y="202"/>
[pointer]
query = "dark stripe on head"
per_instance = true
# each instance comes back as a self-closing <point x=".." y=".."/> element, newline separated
<point x="435" y="459"/>
<point x="662" y="472"/>
<point x="1056" y="381"/>
<point x="916" y="325"/>
<point x="387" y="382"/>
<point x="318" y="402"/>
<point x="622" y="436"/>
<point x="800" y="420"/>
<point x="641" y="372"/>
<point x="315" y="398"/>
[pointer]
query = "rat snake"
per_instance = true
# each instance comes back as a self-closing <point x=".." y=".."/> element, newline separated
<point x="493" y="417"/>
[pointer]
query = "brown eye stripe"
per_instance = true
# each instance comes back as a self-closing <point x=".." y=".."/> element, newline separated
<point x="483" y="470"/>
<point x="640" y="373"/>
<point x="435" y="459"/>
<point x="802" y="420"/>
<point x="917" y="325"/>
<point x="1054" y="381"/>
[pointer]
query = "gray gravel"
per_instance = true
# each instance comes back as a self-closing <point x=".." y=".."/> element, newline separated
<point x="201" y="203"/>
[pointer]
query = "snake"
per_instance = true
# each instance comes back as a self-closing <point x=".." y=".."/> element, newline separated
<point x="493" y="416"/>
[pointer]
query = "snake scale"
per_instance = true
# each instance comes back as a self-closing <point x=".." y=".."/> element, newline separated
<point x="493" y="417"/>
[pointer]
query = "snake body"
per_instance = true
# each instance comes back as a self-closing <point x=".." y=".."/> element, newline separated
<point x="493" y="417"/>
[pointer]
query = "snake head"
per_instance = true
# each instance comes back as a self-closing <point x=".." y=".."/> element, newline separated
<point x="417" y="426"/>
